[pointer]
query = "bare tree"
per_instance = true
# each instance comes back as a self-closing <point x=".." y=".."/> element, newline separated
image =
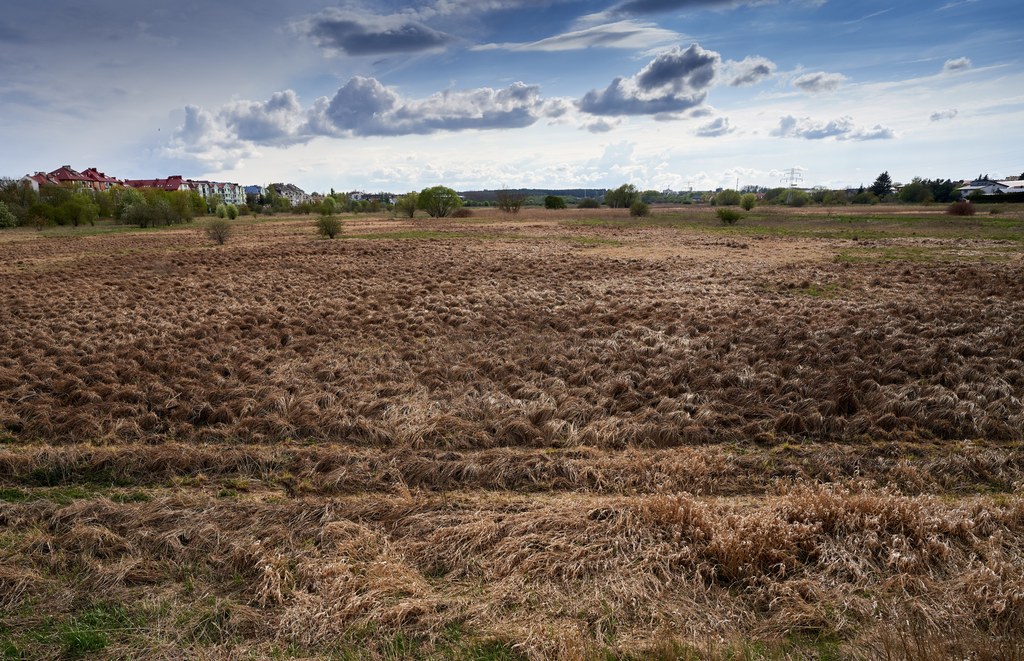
<point x="510" y="201"/>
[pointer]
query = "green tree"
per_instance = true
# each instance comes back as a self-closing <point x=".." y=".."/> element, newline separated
<point x="554" y="202"/>
<point x="882" y="185"/>
<point x="727" y="198"/>
<point x="748" y="200"/>
<point x="407" y="204"/>
<point x="588" y="203"/>
<point x="221" y="211"/>
<point x="622" y="197"/>
<point x="7" y="218"/>
<point x="80" y="209"/>
<point x="915" y="192"/>
<point x="438" y="201"/>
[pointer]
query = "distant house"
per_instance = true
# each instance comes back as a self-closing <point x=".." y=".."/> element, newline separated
<point x="258" y="191"/>
<point x="100" y="181"/>
<point x="290" y="192"/>
<point x="65" y="174"/>
<point x="173" y="183"/>
<point x="39" y="179"/>
<point x="989" y="187"/>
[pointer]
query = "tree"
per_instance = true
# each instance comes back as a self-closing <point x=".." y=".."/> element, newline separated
<point x="588" y="203"/>
<point x="554" y="202"/>
<point x="328" y="226"/>
<point x="882" y="185"/>
<point x="510" y="201"/>
<point x="232" y="212"/>
<point x="747" y="201"/>
<point x="7" y="218"/>
<point x="622" y="197"/>
<point x="727" y="198"/>
<point x="915" y="192"/>
<point x="407" y="204"/>
<point x="439" y="201"/>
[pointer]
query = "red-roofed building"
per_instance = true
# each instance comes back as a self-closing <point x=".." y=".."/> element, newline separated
<point x="65" y="174"/>
<point x="173" y="183"/>
<point x="99" y="180"/>
<point x="39" y="179"/>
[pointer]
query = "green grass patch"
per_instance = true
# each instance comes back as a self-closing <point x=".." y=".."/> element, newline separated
<point x="918" y="254"/>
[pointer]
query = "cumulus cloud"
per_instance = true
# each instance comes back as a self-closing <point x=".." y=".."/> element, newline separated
<point x="748" y="71"/>
<point x="362" y="107"/>
<point x="940" y="115"/>
<point x="840" y="129"/>
<point x="672" y="82"/>
<point x="716" y="128"/>
<point x="620" y="34"/>
<point x="600" y="125"/>
<point x="347" y="32"/>
<point x="958" y="64"/>
<point x="819" y="81"/>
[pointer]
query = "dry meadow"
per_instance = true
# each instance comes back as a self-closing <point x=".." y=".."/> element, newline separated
<point x="567" y="435"/>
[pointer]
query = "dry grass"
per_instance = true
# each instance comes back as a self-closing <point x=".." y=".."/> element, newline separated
<point x="493" y="439"/>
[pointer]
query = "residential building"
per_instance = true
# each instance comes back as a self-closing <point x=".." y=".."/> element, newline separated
<point x="172" y="183"/>
<point x="290" y="192"/>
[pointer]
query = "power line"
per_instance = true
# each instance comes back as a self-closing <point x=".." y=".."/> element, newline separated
<point x="793" y="177"/>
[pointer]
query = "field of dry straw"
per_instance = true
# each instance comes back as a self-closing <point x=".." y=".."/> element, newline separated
<point x="562" y="435"/>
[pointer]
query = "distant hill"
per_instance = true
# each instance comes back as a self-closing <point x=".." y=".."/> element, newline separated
<point x="492" y="195"/>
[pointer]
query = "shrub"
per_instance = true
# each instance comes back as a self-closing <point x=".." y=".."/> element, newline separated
<point x="462" y="212"/>
<point x="748" y="201"/>
<point x="554" y="202"/>
<point x="406" y="204"/>
<point x="439" y="201"/>
<point x="510" y="201"/>
<point x="728" y="216"/>
<point x="218" y="229"/>
<point x="221" y="211"/>
<point x="960" y="208"/>
<point x="588" y="203"/>
<point x="639" y="209"/>
<point x="726" y="198"/>
<point x="797" y="198"/>
<point x="232" y="211"/>
<point x="7" y="218"/>
<point x="328" y="226"/>
<point x="865" y="197"/>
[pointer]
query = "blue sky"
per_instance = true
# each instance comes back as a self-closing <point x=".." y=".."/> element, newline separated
<point x="514" y="93"/>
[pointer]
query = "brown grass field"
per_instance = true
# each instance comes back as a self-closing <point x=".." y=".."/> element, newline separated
<point x="563" y="435"/>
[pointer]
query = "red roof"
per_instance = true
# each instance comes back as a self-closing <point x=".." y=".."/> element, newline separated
<point x="169" y="184"/>
<point x="65" y="173"/>
<point x="95" y="175"/>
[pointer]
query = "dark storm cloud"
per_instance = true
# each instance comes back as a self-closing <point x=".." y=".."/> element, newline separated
<point x="674" y="81"/>
<point x="355" y="34"/>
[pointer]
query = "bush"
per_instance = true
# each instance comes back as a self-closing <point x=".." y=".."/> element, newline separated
<point x="462" y="212"/>
<point x="510" y="201"/>
<point x="554" y="202"/>
<point x="406" y="204"/>
<point x="439" y="201"/>
<point x="221" y="211"/>
<point x="7" y="218"/>
<point x="639" y="209"/>
<point x="728" y="216"/>
<point x="218" y="229"/>
<point x="961" y="208"/>
<point x="866" y="197"/>
<point x="726" y="198"/>
<point x="328" y="226"/>
<point x="232" y="211"/>
<point x="797" y="198"/>
<point x="588" y="203"/>
<point x="748" y="201"/>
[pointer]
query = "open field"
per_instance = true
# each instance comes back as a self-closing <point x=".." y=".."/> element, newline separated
<point x="565" y="435"/>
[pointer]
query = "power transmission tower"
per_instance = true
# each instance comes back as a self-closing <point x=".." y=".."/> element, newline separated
<point x="793" y="177"/>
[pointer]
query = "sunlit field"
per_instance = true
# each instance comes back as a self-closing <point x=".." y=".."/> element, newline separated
<point x="561" y="434"/>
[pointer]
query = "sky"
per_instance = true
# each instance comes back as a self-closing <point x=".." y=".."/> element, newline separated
<point x="490" y="94"/>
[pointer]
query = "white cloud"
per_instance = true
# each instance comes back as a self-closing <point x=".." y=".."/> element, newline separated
<point x="957" y="64"/>
<point x="819" y="81"/>
<point x="940" y="115"/>
<point x="716" y="128"/>
<point x="629" y="34"/>
<point x="748" y="71"/>
<point x="840" y="129"/>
